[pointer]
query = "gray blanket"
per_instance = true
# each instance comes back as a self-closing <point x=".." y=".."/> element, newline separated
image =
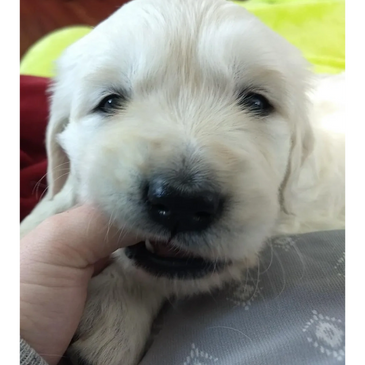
<point x="290" y="310"/>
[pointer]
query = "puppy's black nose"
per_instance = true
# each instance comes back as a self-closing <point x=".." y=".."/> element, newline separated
<point x="182" y="210"/>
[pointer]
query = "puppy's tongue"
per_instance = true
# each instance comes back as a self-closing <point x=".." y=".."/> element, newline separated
<point x="164" y="249"/>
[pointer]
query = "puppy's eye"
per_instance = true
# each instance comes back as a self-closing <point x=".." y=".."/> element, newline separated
<point x="111" y="103"/>
<point x="255" y="103"/>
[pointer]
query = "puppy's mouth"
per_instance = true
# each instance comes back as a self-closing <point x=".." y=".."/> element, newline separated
<point x="164" y="259"/>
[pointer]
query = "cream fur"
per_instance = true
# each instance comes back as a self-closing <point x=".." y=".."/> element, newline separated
<point x="182" y="63"/>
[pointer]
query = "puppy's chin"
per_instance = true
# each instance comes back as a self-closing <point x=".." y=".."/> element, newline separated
<point x="166" y="260"/>
<point x="186" y="280"/>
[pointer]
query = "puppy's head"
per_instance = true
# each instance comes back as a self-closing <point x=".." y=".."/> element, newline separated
<point x="184" y="121"/>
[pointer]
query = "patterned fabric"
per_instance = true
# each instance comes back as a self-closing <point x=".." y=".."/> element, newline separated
<point x="291" y="310"/>
<point x="28" y="356"/>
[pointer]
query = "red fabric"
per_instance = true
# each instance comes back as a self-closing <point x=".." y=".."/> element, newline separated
<point x="33" y="159"/>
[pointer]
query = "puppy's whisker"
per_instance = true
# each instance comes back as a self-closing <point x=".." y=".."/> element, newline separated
<point x="269" y="243"/>
<point x="122" y="234"/>
<point x="109" y="224"/>
<point x="231" y="329"/>
<point x="36" y="186"/>
<point x="255" y="281"/>
<point x="283" y="272"/>
<point x="301" y="258"/>
<point x="44" y="193"/>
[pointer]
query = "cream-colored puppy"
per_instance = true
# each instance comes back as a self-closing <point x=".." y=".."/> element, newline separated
<point x="192" y="124"/>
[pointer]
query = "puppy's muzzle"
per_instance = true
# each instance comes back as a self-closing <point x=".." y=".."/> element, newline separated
<point x="181" y="207"/>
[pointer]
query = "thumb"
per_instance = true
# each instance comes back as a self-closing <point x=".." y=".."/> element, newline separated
<point x="76" y="238"/>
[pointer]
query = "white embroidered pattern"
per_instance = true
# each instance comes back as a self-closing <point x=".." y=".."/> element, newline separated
<point x="246" y="293"/>
<point x="326" y="334"/>
<point x="285" y="243"/>
<point x="340" y="266"/>
<point x="198" y="357"/>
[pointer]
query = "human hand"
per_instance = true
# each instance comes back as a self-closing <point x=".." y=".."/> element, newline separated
<point x="57" y="260"/>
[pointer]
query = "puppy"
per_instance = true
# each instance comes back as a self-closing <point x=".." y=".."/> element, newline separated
<point x="198" y="128"/>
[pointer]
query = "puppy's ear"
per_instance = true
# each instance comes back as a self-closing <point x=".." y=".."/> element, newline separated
<point x="302" y="143"/>
<point x="61" y="91"/>
<point x="60" y="195"/>
<point x="58" y="162"/>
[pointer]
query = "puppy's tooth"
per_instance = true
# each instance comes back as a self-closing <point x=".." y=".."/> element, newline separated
<point x="149" y="246"/>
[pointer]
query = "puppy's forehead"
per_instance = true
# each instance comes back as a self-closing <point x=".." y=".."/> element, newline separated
<point x="191" y="45"/>
<point x="210" y="39"/>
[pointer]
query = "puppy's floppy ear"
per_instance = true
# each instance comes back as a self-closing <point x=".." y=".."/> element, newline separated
<point x="60" y="195"/>
<point x="61" y="91"/>
<point x="58" y="162"/>
<point x="302" y="143"/>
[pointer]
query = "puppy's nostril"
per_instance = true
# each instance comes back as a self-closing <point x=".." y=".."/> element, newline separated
<point x="161" y="209"/>
<point x="201" y="216"/>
